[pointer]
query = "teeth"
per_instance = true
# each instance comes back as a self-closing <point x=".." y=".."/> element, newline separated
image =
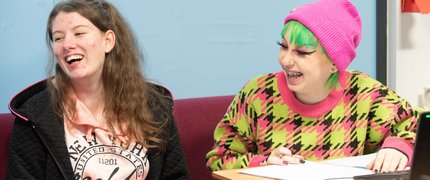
<point x="74" y="58"/>
<point x="294" y="74"/>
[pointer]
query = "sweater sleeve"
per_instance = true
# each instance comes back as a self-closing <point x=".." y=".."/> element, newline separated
<point x="392" y="122"/>
<point x="235" y="144"/>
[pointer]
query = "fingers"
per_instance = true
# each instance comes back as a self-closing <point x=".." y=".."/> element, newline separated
<point x="276" y="156"/>
<point x="402" y="164"/>
<point x="295" y="159"/>
<point x="274" y="160"/>
<point x="388" y="160"/>
<point x="371" y="164"/>
<point x="284" y="156"/>
<point x="282" y="151"/>
<point x="387" y="163"/>
<point x="395" y="163"/>
<point x="377" y="165"/>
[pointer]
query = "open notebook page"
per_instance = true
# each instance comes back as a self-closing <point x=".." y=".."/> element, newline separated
<point x="344" y="168"/>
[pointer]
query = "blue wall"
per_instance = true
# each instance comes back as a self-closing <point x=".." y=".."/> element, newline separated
<point x="195" y="48"/>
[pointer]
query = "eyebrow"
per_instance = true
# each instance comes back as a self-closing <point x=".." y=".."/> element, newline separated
<point x="304" y="45"/>
<point x="78" y="26"/>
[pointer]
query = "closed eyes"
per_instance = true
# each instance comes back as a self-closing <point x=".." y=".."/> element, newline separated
<point x="304" y="52"/>
<point x="299" y="52"/>
<point x="282" y="45"/>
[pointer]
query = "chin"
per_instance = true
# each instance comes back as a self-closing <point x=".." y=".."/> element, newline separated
<point x="292" y="87"/>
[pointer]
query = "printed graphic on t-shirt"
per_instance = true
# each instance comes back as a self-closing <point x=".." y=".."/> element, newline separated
<point x="96" y="154"/>
<point x="103" y="161"/>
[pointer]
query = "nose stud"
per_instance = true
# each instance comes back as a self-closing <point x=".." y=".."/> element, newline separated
<point x="291" y="61"/>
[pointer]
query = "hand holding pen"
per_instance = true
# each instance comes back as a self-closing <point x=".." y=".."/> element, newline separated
<point x="284" y="156"/>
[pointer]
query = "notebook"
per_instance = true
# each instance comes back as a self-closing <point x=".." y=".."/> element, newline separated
<point x="420" y="166"/>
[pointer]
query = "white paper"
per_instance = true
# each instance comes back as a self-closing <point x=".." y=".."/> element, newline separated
<point x="344" y="168"/>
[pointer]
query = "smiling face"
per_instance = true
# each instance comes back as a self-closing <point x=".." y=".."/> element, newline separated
<point x="306" y="66"/>
<point x="80" y="47"/>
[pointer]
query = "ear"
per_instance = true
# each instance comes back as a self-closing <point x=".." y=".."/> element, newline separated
<point x="333" y="69"/>
<point x="109" y="41"/>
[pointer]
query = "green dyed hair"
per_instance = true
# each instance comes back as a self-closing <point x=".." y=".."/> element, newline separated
<point x="300" y="35"/>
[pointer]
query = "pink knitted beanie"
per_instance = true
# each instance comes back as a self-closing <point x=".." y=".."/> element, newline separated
<point x="337" y="26"/>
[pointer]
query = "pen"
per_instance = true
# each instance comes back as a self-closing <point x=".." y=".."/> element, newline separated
<point x="360" y="167"/>
<point x="348" y="166"/>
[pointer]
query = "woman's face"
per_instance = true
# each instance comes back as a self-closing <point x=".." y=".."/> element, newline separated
<point x="306" y="69"/>
<point x="79" y="46"/>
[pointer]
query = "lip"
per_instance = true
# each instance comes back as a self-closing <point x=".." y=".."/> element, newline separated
<point x="292" y="81"/>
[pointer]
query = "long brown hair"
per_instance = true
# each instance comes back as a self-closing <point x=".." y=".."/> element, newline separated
<point x="128" y="96"/>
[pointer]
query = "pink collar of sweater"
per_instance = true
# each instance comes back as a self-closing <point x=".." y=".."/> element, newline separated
<point x="312" y="110"/>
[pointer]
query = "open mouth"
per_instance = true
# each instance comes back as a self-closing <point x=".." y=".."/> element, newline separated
<point x="74" y="58"/>
<point x="294" y="75"/>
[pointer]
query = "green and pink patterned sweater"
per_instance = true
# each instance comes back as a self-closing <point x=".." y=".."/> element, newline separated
<point x="358" y="118"/>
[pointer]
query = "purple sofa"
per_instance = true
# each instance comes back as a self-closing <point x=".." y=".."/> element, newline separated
<point x="196" y="119"/>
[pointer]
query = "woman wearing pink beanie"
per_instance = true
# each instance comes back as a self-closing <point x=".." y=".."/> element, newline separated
<point x="316" y="109"/>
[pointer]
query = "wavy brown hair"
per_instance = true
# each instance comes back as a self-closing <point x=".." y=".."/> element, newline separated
<point x="129" y="100"/>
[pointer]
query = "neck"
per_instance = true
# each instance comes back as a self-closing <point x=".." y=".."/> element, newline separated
<point x="92" y="95"/>
<point x="313" y="97"/>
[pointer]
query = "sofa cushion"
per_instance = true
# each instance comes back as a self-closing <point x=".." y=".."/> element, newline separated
<point x="6" y="122"/>
<point x="196" y="119"/>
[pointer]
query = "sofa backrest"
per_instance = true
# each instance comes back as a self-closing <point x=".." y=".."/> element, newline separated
<point x="196" y="119"/>
<point x="6" y="122"/>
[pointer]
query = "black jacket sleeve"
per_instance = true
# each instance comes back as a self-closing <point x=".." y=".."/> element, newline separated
<point x="169" y="163"/>
<point x="26" y="154"/>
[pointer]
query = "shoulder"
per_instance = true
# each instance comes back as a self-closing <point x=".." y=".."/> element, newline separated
<point x="361" y="79"/>
<point x="30" y="100"/>
<point x="260" y="80"/>
<point x="160" y="89"/>
<point x="159" y="97"/>
<point x="160" y="103"/>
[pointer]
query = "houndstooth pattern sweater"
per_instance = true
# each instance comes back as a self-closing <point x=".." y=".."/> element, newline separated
<point x="357" y="118"/>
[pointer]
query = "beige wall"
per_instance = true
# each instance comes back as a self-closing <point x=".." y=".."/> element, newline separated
<point x="408" y="53"/>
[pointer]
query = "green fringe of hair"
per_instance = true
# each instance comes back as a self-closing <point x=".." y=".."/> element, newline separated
<point x="300" y="35"/>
